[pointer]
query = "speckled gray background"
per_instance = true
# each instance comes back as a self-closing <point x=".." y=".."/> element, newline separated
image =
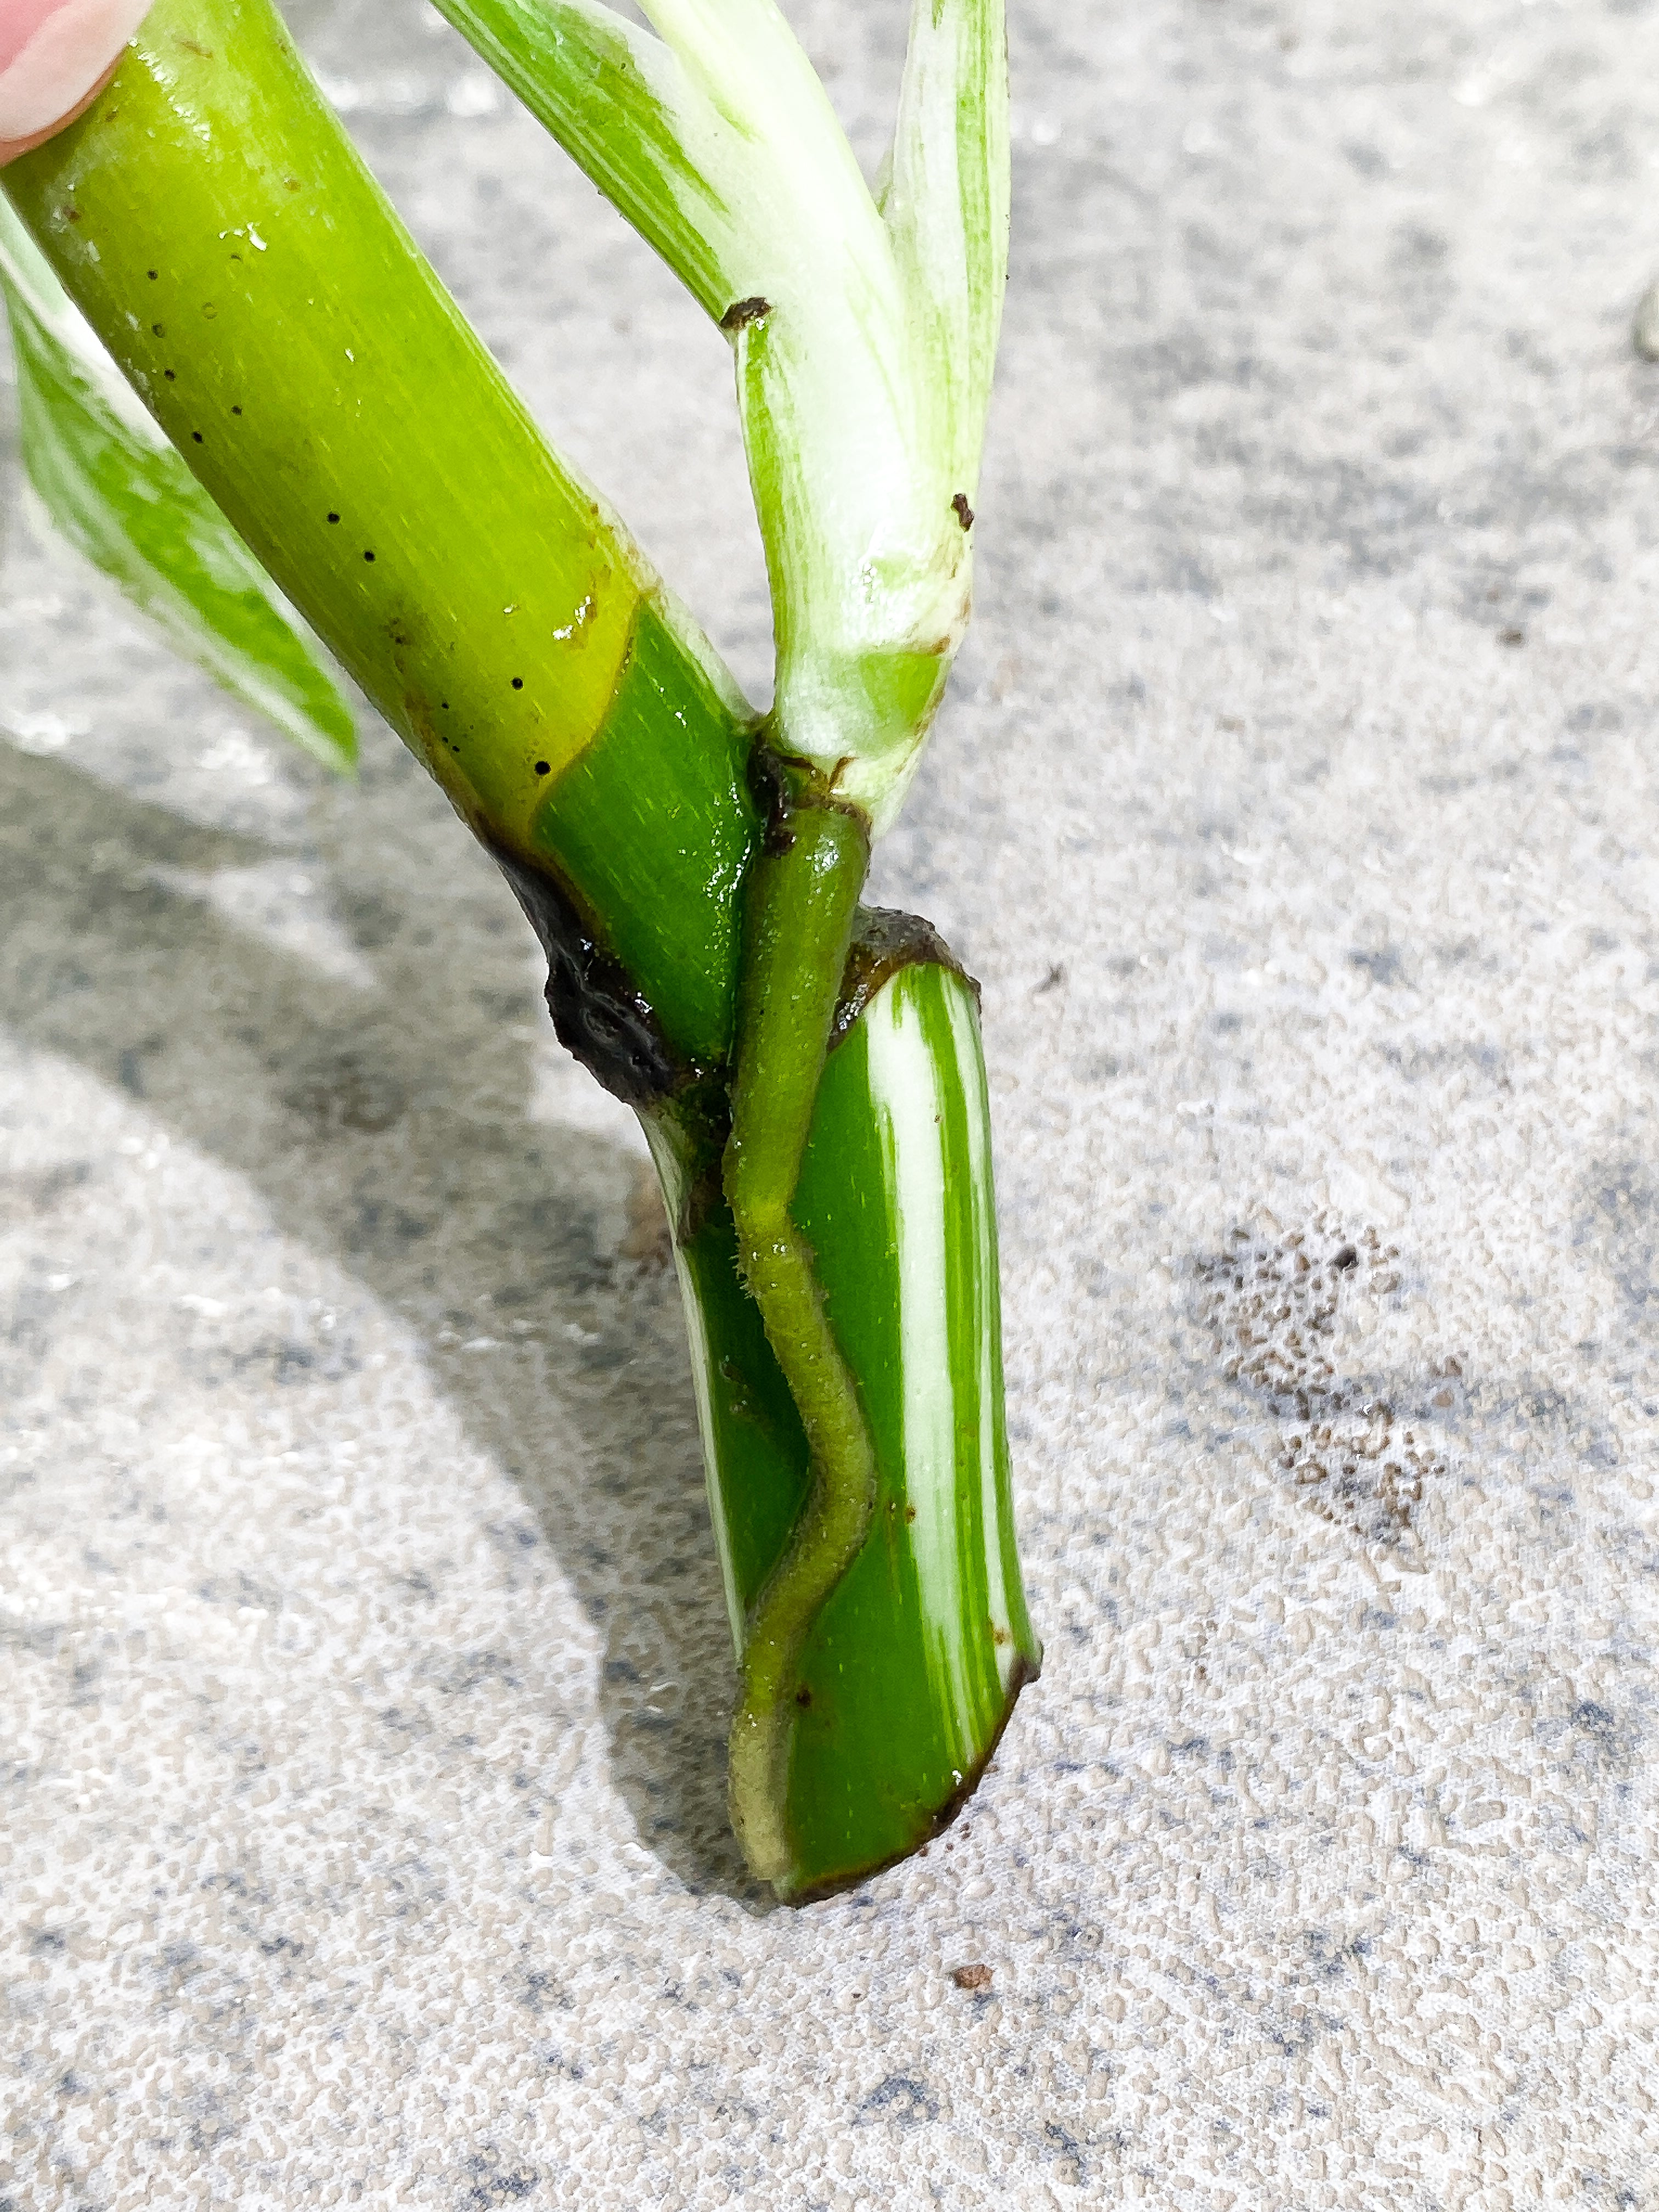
<point x="364" y="1675"/>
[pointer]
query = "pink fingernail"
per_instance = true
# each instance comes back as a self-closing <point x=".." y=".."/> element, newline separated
<point x="52" y="52"/>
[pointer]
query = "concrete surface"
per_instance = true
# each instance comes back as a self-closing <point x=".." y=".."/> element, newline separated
<point x="364" y="1662"/>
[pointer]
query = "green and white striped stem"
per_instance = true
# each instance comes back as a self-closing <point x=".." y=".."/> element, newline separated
<point x="894" y="1690"/>
<point x="864" y="326"/>
<point x="808" y="1075"/>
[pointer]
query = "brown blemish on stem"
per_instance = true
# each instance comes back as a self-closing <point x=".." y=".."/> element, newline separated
<point x="783" y="783"/>
<point x="884" y="941"/>
<point x="600" y="1017"/>
<point x="742" y="313"/>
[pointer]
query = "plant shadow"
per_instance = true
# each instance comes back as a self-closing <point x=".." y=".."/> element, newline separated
<point x="384" y="1123"/>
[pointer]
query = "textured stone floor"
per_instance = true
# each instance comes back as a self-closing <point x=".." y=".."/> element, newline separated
<point x="361" y="1653"/>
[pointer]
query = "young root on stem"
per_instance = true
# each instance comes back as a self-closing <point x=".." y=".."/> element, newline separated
<point x="801" y="903"/>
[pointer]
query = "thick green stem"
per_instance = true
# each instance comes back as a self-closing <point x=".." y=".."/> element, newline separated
<point x="914" y="1659"/>
<point x="216" y="227"/>
<point x="801" y="904"/>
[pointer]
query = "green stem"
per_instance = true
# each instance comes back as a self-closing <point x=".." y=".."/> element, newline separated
<point x="913" y="1660"/>
<point x="801" y="904"/>
<point x="215" y="224"/>
<point x="212" y="221"/>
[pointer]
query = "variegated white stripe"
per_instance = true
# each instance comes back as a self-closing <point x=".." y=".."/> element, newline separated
<point x="971" y="1066"/>
<point x="905" y="1087"/>
<point x="945" y="203"/>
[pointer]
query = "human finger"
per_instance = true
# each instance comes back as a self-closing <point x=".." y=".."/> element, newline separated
<point x="55" y="56"/>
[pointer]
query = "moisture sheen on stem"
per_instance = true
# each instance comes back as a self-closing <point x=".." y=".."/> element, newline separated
<point x="213" y="224"/>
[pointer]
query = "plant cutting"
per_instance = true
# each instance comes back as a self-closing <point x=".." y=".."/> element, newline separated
<point x="246" y="397"/>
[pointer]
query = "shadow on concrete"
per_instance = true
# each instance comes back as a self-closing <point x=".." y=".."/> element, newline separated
<point x="385" y="1127"/>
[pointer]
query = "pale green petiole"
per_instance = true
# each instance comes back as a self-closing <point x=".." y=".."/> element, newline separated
<point x="864" y="333"/>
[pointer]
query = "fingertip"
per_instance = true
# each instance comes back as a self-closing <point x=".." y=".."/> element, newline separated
<point x="12" y="148"/>
<point x="55" y="56"/>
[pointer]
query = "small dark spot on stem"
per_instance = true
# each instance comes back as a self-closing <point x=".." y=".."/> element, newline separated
<point x="803" y="1696"/>
<point x="197" y="435"/>
<point x="152" y="274"/>
<point x="743" y="311"/>
<point x="168" y="373"/>
<point x="158" y="330"/>
<point x="334" y="517"/>
<point x="544" y="767"/>
<point x="293" y="182"/>
<point x="209" y="309"/>
<point x="235" y="410"/>
<point x="909" y="1512"/>
<point x="72" y="214"/>
<point x="368" y="557"/>
<point x="965" y="513"/>
<point x="518" y="683"/>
